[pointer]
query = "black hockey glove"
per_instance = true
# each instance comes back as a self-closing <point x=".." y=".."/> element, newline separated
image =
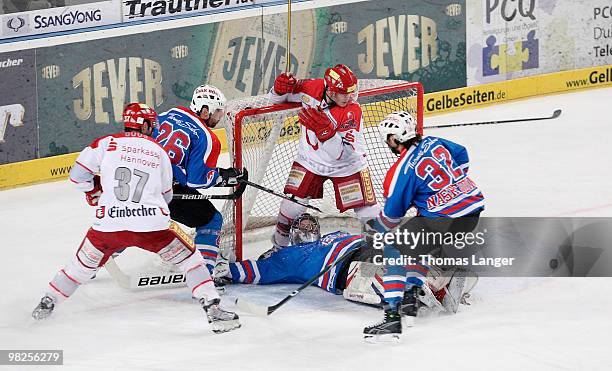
<point x="228" y="177"/>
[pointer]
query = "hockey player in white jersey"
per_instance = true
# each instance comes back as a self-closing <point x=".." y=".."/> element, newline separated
<point x="331" y="147"/>
<point x="128" y="178"/>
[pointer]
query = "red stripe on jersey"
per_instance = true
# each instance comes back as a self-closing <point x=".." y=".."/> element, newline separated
<point x="462" y="204"/>
<point x="249" y="272"/>
<point x="394" y="286"/>
<point x="333" y="257"/>
<point x="84" y="167"/>
<point x="391" y="173"/>
<point x="418" y="268"/>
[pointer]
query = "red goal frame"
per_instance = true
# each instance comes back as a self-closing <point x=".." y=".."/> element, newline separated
<point x="237" y="140"/>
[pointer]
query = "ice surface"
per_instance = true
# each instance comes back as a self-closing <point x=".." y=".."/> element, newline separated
<point x="549" y="168"/>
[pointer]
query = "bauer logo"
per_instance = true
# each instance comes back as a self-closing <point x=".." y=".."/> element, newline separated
<point x="161" y="280"/>
<point x="179" y="52"/>
<point x="50" y="72"/>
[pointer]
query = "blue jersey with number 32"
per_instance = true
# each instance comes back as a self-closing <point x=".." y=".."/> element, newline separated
<point x="192" y="146"/>
<point x="432" y="177"/>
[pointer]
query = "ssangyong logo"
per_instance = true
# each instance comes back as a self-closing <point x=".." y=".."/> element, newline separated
<point x="15" y="23"/>
<point x="67" y="19"/>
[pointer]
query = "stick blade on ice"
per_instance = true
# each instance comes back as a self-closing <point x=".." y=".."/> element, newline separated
<point x="247" y="306"/>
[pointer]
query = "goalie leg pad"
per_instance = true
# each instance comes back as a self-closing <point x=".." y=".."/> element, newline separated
<point x="438" y="278"/>
<point x="364" y="283"/>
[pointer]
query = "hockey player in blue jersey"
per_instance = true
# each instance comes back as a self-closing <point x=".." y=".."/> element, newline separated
<point x="430" y="175"/>
<point x="307" y="255"/>
<point x="185" y="133"/>
<point x="356" y="277"/>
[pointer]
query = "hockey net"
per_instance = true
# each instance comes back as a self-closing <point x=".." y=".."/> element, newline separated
<point x="264" y="139"/>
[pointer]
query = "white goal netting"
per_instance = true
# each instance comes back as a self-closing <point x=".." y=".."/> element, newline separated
<point x="264" y="139"/>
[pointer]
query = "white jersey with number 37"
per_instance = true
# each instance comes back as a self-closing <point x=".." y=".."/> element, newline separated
<point x="136" y="178"/>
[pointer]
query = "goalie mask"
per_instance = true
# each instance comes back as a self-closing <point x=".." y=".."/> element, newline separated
<point x="399" y="124"/>
<point x="304" y="229"/>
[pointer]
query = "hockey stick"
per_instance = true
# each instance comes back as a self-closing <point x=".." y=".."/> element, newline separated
<point x="273" y="192"/>
<point x="231" y="196"/>
<point x="261" y="310"/>
<point x="187" y="196"/>
<point x="165" y="279"/>
<point x="288" y="63"/>
<point x="555" y="114"/>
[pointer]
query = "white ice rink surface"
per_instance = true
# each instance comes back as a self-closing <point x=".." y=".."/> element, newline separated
<point x="549" y="168"/>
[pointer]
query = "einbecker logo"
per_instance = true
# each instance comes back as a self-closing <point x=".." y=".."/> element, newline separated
<point x="11" y="62"/>
<point x="100" y="212"/>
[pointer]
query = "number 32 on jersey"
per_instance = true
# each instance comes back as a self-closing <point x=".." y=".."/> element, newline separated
<point x="439" y="168"/>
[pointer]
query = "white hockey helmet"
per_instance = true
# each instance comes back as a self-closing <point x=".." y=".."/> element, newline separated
<point x="209" y="96"/>
<point x="401" y="124"/>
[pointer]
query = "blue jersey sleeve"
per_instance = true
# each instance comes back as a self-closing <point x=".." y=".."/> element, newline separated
<point x="199" y="175"/>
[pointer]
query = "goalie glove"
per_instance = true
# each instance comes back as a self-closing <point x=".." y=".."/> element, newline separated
<point x="93" y="196"/>
<point x="285" y="83"/>
<point x="317" y="121"/>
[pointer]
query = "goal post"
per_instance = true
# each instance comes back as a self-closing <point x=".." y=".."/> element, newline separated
<point x="264" y="140"/>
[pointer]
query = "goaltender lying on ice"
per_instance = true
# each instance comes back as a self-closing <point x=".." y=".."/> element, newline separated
<point x="356" y="278"/>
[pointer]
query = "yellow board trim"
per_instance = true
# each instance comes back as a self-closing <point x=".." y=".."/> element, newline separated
<point x="57" y="167"/>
